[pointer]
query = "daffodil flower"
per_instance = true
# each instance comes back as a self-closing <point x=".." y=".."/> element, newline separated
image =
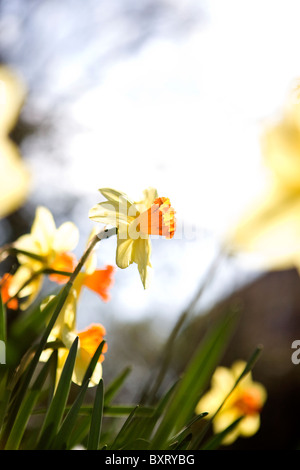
<point x="136" y="222"/>
<point x="14" y="177"/>
<point x="65" y="331"/>
<point x="52" y="249"/>
<point x="246" y="402"/>
<point x="270" y="231"/>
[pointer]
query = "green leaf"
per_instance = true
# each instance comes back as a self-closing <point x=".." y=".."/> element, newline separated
<point x="57" y="407"/>
<point x="96" y="422"/>
<point x="62" y="437"/>
<point x="114" y="387"/>
<point x="122" y="434"/>
<point x="199" y="370"/>
<point x="59" y="302"/>
<point x="27" y="406"/>
<point x="216" y="441"/>
<point x="184" y="444"/>
<point x="182" y="434"/>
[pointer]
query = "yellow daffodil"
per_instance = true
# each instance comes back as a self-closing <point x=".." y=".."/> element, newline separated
<point x="52" y="246"/>
<point x="14" y="177"/>
<point x="245" y="401"/>
<point x="135" y="222"/>
<point x="271" y="230"/>
<point x="89" y="339"/>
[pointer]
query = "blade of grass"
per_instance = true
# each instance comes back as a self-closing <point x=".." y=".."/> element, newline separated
<point x="96" y="421"/>
<point x="115" y="386"/>
<point x="62" y="437"/>
<point x="27" y="406"/>
<point x="57" y="406"/>
<point x="195" y="378"/>
<point x="215" y="442"/>
<point x="121" y="436"/>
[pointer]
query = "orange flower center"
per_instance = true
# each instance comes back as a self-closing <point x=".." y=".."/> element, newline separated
<point x="62" y="262"/>
<point x="4" y="287"/>
<point x="159" y="219"/>
<point x="249" y="402"/>
<point x="91" y="338"/>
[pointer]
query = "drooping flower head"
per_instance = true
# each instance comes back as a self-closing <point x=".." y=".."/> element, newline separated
<point x="136" y="222"/>
<point x="245" y="401"/>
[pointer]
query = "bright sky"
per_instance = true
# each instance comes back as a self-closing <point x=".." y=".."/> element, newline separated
<point x="184" y="116"/>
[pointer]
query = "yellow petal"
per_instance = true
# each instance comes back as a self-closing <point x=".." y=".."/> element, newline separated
<point x="249" y="425"/>
<point x="12" y="96"/>
<point x="150" y="194"/>
<point x="210" y="402"/>
<point x="81" y="365"/>
<point x="22" y="277"/>
<point x="66" y="238"/>
<point x="141" y="252"/>
<point x="110" y="213"/>
<point x="281" y="148"/>
<point x="272" y="231"/>
<point x="222" y="421"/>
<point x="43" y="230"/>
<point x="115" y="196"/>
<point x="124" y="253"/>
<point x="14" y="178"/>
<point x="223" y="380"/>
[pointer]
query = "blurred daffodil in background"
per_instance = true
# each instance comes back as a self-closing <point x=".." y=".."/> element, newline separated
<point x="51" y="248"/>
<point x="271" y="230"/>
<point x="246" y="401"/>
<point x="14" y="177"/>
<point x="135" y="222"/>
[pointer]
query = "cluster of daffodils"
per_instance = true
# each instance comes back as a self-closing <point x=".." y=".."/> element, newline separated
<point x="49" y="251"/>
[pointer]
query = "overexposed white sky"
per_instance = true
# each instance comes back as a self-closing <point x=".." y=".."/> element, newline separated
<point x="183" y="114"/>
<point x="186" y="115"/>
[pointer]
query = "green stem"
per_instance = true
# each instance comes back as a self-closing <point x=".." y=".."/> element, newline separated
<point x="10" y="249"/>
